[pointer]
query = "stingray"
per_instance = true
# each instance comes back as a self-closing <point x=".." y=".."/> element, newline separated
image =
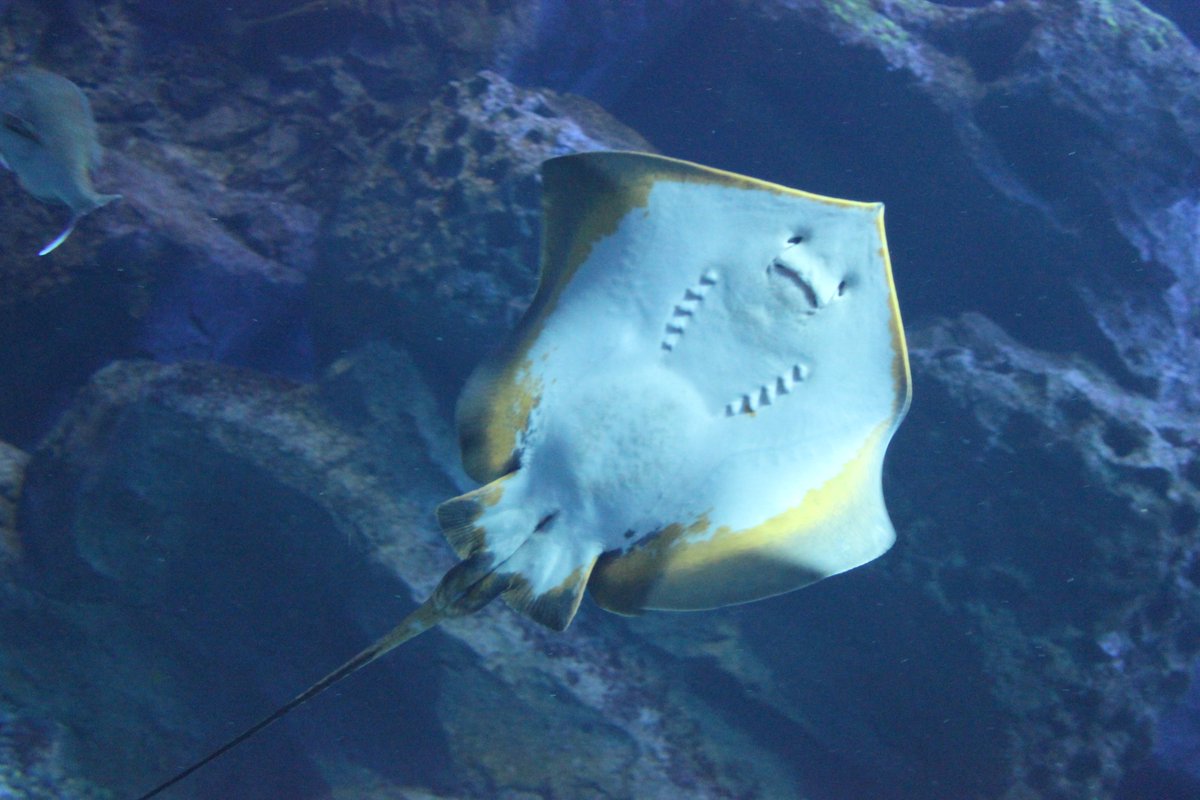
<point x="48" y="138"/>
<point x="692" y="413"/>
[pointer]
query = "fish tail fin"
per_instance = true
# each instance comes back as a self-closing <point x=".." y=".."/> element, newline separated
<point x="102" y="200"/>
<point x="62" y="237"/>
<point x="96" y="201"/>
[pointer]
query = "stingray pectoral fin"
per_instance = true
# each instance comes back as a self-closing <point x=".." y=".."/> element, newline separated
<point x="696" y="579"/>
<point x="494" y="411"/>
<point x="466" y="588"/>
<point x="835" y="526"/>
<point x="584" y="198"/>
<point x="62" y="237"/>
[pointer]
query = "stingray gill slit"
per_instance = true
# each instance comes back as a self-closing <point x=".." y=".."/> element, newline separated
<point x="686" y="309"/>
<point x="767" y="393"/>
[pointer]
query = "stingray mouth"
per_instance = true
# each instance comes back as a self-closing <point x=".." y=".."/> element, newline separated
<point x="768" y="393"/>
<point x="806" y="289"/>
<point x="811" y="277"/>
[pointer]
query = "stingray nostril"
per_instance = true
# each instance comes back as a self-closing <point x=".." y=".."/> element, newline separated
<point x="796" y="240"/>
<point x="841" y="290"/>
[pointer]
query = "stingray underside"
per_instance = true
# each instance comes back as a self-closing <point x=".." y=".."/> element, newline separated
<point x="774" y="308"/>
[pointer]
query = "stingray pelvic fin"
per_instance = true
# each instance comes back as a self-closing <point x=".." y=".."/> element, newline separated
<point x="465" y="589"/>
<point x="459" y="516"/>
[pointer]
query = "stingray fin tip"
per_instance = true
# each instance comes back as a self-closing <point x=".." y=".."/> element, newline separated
<point x="553" y="608"/>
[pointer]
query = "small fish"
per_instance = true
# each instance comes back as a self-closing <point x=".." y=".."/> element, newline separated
<point x="48" y="137"/>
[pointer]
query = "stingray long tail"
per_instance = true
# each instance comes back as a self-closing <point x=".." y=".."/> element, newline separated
<point x="466" y="588"/>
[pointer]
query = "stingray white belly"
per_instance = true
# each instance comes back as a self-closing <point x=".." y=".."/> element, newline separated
<point x="697" y="403"/>
<point x="619" y="450"/>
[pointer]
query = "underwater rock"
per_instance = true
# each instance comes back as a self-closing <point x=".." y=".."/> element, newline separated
<point x="32" y="766"/>
<point x="1083" y="601"/>
<point x="596" y="49"/>
<point x="231" y="264"/>
<point x="434" y="243"/>
<point x="12" y="475"/>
